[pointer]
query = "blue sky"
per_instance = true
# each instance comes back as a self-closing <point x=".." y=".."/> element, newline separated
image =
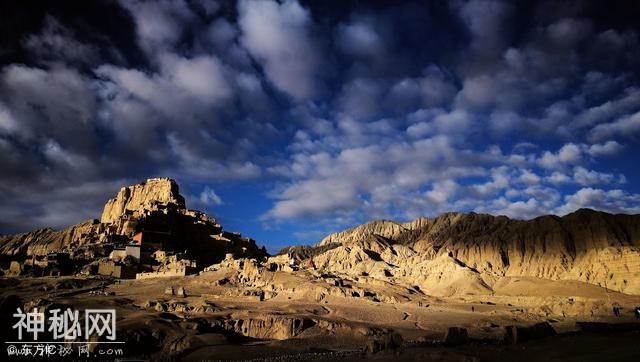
<point x="289" y="120"/>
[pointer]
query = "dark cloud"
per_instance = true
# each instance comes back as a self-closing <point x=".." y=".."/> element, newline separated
<point x="341" y="111"/>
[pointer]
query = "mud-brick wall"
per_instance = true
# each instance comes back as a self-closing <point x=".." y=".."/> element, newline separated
<point x="180" y="272"/>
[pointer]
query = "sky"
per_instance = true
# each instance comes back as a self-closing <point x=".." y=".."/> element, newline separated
<point x="288" y="120"/>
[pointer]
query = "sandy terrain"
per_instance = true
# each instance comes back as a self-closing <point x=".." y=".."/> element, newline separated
<point x="307" y="318"/>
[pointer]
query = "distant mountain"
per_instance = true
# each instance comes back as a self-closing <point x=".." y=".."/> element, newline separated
<point x="455" y="252"/>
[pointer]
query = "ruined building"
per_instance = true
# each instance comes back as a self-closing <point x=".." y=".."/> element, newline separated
<point x="140" y="220"/>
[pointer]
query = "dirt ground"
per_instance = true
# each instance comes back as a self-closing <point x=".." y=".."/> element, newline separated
<point x="307" y="319"/>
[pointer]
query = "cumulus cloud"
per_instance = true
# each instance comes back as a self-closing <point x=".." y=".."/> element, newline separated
<point x="331" y="184"/>
<point x="500" y="180"/>
<point x="279" y="36"/>
<point x="529" y="177"/>
<point x="314" y="198"/>
<point x="514" y="209"/>
<point x="360" y="38"/>
<point x="34" y="205"/>
<point x="558" y="178"/>
<point x="485" y="20"/>
<point x="608" y="148"/>
<point x="61" y="122"/>
<point x="626" y="126"/>
<point x="442" y="191"/>
<point x="455" y="123"/>
<point x="209" y="197"/>
<point x="616" y="201"/>
<point x="192" y="162"/>
<point x="590" y="177"/>
<point x="184" y="86"/>
<point x="160" y="24"/>
<point x="57" y="104"/>
<point x="480" y="115"/>
<point x="202" y="76"/>
<point x="361" y="98"/>
<point x="376" y="180"/>
<point x="568" y="154"/>
<point x="432" y="89"/>
<point x="607" y="111"/>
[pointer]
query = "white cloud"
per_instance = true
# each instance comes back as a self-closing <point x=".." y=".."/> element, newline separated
<point x="505" y="122"/>
<point x="314" y="198"/>
<point x="159" y="24"/>
<point x="608" y="148"/>
<point x="485" y="20"/>
<point x="558" y="178"/>
<point x="518" y="209"/>
<point x="8" y="124"/>
<point x="278" y="35"/>
<point x="586" y="177"/>
<point x="56" y="102"/>
<point x="393" y="138"/>
<point x="184" y="85"/>
<point x="209" y="197"/>
<point x="478" y="92"/>
<point x="529" y="177"/>
<point x="569" y="154"/>
<point x="360" y="98"/>
<point x="359" y="38"/>
<point x="616" y="201"/>
<point x="442" y="191"/>
<point x="612" y="108"/>
<point x="67" y="160"/>
<point x="456" y="123"/>
<point x="203" y="77"/>
<point x="189" y="161"/>
<point x="328" y="184"/>
<point x="626" y="126"/>
<point x="500" y="179"/>
<point x="435" y="88"/>
<point x="432" y="89"/>
<point x="545" y="196"/>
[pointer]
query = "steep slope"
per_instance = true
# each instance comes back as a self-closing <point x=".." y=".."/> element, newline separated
<point x="42" y="241"/>
<point x="587" y="245"/>
<point x="143" y="196"/>
<point x="384" y="228"/>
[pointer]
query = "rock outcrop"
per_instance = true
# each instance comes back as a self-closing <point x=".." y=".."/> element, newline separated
<point x="456" y="336"/>
<point x="468" y="252"/>
<point x="384" y="228"/>
<point x="266" y="326"/>
<point x="43" y="241"/>
<point x="154" y="207"/>
<point x="141" y="197"/>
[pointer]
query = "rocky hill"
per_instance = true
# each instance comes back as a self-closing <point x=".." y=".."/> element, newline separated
<point x="143" y="196"/>
<point x="384" y="228"/>
<point x="40" y="242"/>
<point x="154" y="207"/>
<point x="469" y="252"/>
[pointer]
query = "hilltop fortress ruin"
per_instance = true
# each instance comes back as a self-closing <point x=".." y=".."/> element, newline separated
<point x="145" y="231"/>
